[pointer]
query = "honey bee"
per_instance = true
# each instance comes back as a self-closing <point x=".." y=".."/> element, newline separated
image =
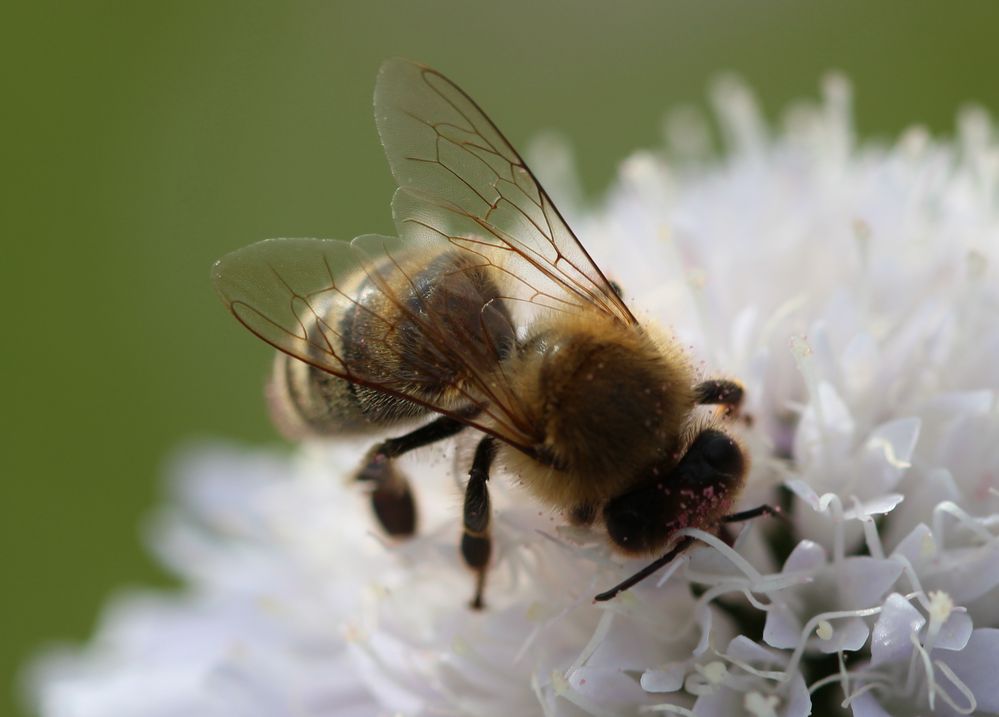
<point x="486" y="313"/>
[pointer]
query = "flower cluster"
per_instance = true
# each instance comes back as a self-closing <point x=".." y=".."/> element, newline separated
<point x="852" y="288"/>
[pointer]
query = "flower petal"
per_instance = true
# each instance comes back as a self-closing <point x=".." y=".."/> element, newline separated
<point x="955" y="633"/>
<point x="862" y="580"/>
<point x="975" y="665"/>
<point x="782" y="628"/>
<point x="849" y="635"/>
<point x="668" y="678"/>
<point x="890" y="641"/>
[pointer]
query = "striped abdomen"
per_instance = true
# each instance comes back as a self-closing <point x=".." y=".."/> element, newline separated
<point x="416" y="328"/>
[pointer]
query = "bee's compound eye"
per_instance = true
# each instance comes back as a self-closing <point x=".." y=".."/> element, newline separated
<point x="720" y="452"/>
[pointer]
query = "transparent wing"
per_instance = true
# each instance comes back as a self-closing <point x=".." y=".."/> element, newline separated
<point x="461" y="181"/>
<point x="403" y="317"/>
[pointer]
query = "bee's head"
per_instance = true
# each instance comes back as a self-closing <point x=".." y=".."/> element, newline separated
<point x="696" y="492"/>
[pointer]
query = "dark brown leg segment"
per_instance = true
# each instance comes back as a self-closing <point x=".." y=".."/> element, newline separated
<point x="391" y="497"/>
<point x="720" y="392"/>
<point x="476" y="544"/>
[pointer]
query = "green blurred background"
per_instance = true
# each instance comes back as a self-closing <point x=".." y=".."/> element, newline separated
<point x="142" y="140"/>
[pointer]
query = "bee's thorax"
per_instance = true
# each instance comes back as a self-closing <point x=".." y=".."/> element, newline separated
<point x="606" y="400"/>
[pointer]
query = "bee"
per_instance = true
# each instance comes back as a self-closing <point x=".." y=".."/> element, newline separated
<point x="486" y="313"/>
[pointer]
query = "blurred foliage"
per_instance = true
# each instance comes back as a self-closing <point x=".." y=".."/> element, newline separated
<point x="142" y="140"/>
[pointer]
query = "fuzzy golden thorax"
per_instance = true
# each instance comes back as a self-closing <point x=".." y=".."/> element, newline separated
<point x="606" y="400"/>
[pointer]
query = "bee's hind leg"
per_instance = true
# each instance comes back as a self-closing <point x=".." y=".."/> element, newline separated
<point x="391" y="497"/>
<point x="476" y="543"/>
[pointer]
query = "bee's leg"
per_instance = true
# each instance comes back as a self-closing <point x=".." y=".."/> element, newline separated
<point x="727" y="394"/>
<point x="437" y="430"/>
<point x="476" y="545"/>
<point x="391" y="497"/>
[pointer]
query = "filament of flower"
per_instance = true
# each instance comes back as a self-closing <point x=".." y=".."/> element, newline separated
<point x="830" y="502"/>
<point x="546" y="706"/>
<point x="802" y="352"/>
<point x="776" y="675"/>
<point x="734" y="557"/>
<point x="843" y="673"/>
<point x="871" y="535"/>
<point x="951" y="508"/>
<point x="766" y="584"/>
<point x="865" y="676"/>
<point x="917" y="587"/>
<point x="885" y="685"/>
<point x="467" y="652"/>
<point x="538" y="629"/>
<point x="921" y="655"/>
<point x="809" y="627"/>
<point x="924" y="657"/>
<point x="889" y="452"/>
<point x="672" y="568"/>
<point x="665" y="707"/>
<point x="599" y="635"/>
<point x="839" y="537"/>
<point x="961" y="687"/>
<point x="565" y="690"/>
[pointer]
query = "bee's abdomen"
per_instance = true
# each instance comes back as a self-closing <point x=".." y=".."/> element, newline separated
<point x="305" y="400"/>
<point x="414" y="331"/>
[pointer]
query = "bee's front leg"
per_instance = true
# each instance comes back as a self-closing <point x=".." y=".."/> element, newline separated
<point x="720" y="392"/>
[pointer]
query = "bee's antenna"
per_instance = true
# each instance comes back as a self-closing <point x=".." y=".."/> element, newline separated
<point x="645" y="572"/>
<point x="682" y="545"/>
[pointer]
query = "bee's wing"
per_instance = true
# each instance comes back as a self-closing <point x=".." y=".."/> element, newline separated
<point x="462" y="188"/>
<point x="461" y="181"/>
<point x="294" y="293"/>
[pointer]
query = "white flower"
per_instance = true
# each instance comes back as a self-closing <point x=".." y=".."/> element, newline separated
<point x="852" y="288"/>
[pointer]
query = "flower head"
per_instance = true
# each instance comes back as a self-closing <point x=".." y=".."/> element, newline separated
<point x="850" y="287"/>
